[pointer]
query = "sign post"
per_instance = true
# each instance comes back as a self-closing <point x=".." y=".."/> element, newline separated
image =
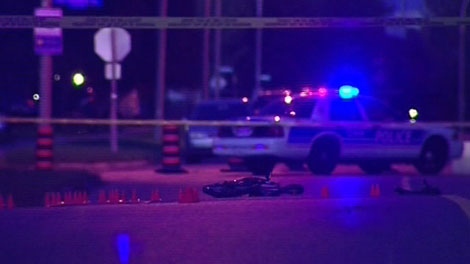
<point x="47" y="42"/>
<point x="113" y="45"/>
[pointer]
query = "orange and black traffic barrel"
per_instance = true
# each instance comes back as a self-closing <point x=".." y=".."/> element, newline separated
<point x="171" y="150"/>
<point x="44" y="148"/>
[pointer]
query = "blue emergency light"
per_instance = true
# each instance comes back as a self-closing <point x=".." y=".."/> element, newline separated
<point x="348" y="92"/>
<point x="79" y="4"/>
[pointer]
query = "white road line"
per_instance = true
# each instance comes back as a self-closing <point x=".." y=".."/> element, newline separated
<point x="463" y="203"/>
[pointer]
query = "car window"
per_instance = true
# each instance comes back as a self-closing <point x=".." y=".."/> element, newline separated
<point x="378" y="111"/>
<point x="345" y="110"/>
<point x="298" y="108"/>
<point x="222" y="111"/>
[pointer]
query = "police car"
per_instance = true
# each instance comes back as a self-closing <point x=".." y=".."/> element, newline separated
<point x="323" y="128"/>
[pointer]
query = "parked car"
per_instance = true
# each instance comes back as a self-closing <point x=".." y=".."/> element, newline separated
<point x="199" y="138"/>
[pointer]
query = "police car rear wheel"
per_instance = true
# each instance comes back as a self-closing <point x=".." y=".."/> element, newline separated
<point x="433" y="157"/>
<point x="323" y="157"/>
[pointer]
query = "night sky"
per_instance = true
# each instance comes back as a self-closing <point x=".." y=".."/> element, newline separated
<point x="381" y="65"/>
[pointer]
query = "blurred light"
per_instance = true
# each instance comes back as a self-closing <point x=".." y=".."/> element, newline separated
<point x="288" y="99"/>
<point x="292" y="113"/>
<point x="36" y="97"/>
<point x="124" y="248"/>
<point x="245" y="99"/>
<point x="90" y="90"/>
<point x="322" y="91"/>
<point x="79" y="4"/>
<point x="412" y="121"/>
<point x="413" y="113"/>
<point x="56" y="77"/>
<point x="78" y="79"/>
<point x="277" y="119"/>
<point x="248" y="118"/>
<point x="348" y="92"/>
<point x="265" y="77"/>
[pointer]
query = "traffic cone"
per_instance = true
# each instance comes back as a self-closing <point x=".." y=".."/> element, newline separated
<point x="155" y="197"/>
<point x="134" y="198"/>
<point x="10" y="203"/>
<point x="112" y="197"/>
<point x="325" y="193"/>
<point x="375" y="190"/>
<point x="47" y="200"/>
<point x="85" y="198"/>
<point x="59" y="200"/>
<point x="102" y="197"/>
<point x="184" y="195"/>
<point x="67" y="198"/>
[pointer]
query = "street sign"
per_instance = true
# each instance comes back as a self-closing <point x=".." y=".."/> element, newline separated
<point x="48" y="41"/>
<point x="112" y="44"/>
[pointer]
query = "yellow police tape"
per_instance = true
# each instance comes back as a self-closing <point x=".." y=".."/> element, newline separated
<point x="80" y="22"/>
<point x="153" y="122"/>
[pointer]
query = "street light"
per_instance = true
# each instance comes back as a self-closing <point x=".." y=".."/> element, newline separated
<point x="461" y="91"/>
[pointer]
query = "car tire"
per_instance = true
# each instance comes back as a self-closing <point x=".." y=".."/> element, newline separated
<point x="374" y="167"/>
<point x="323" y="157"/>
<point x="262" y="166"/>
<point x="433" y="157"/>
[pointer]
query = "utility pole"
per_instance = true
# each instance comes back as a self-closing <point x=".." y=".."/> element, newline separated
<point x="161" y="71"/>
<point x="217" y="50"/>
<point x="205" y="52"/>
<point x="45" y="76"/>
<point x="462" y="61"/>
<point x="259" y="50"/>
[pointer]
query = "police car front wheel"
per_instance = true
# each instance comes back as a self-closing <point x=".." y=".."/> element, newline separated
<point x="433" y="157"/>
<point x="323" y="157"/>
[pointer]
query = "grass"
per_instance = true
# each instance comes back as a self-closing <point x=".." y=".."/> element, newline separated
<point x="84" y="147"/>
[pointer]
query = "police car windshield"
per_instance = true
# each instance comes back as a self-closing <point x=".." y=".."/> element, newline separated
<point x="299" y="108"/>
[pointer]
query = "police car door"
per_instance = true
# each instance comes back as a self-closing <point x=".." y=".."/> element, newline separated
<point x="393" y="137"/>
<point x="355" y="132"/>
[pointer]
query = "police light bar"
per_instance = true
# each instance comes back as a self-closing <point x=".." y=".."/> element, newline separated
<point x="348" y="92"/>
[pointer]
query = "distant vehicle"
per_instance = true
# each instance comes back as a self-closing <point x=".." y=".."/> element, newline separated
<point x="323" y="128"/>
<point x="199" y="138"/>
<point x="265" y="97"/>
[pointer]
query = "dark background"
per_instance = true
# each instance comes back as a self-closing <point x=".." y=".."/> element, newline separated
<point x="418" y="69"/>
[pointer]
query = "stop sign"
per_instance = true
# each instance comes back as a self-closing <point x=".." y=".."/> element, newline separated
<point x="112" y="44"/>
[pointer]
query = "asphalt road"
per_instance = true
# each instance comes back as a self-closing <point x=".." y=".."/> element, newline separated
<point x="345" y="226"/>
